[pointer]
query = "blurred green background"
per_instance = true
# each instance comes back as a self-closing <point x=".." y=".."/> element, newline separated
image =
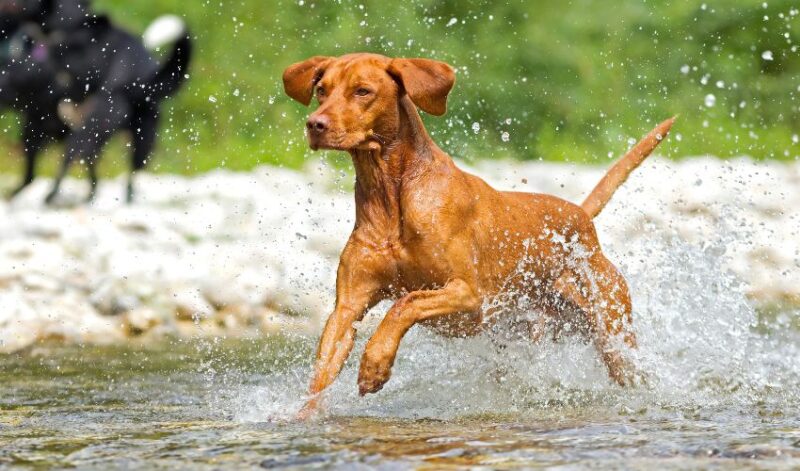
<point x="554" y="80"/>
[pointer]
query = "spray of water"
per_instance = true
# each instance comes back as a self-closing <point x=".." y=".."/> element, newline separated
<point x="701" y="345"/>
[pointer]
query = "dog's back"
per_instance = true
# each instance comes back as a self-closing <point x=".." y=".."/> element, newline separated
<point x="101" y="57"/>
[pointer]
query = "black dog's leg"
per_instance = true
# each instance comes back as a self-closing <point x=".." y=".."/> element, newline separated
<point x="34" y="139"/>
<point x="30" y="171"/>
<point x="144" y="139"/>
<point x="106" y="115"/>
<point x="129" y="192"/>
<point x="92" y="167"/>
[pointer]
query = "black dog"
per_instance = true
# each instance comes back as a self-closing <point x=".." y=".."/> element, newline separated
<point x="27" y="83"/>
<point x="49" y="15"/>
<point x="109" y="72"/>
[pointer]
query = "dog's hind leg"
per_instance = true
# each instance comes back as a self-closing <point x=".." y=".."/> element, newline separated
<point x="106" y="115"/>
<point x="600" y="293"/>
<point x="145" y="129"/>
<point x="537" y="328"/>
<point x="456" y="297"/>
<point x="92" y="171"/>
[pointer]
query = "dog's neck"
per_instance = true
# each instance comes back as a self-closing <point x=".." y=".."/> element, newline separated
<point x="380" y="172"/>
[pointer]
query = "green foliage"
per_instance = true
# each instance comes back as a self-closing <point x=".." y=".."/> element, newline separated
<point x="566" y="80"/>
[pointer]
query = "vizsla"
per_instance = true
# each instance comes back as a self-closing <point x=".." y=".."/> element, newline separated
<point x="440" y="241"/>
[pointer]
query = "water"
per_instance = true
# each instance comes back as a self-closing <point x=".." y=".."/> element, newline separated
<point x="722" y="388"/>
<point x="100" y="407"/>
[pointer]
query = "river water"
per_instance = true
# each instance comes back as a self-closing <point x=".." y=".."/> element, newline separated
<point x="721" y="389"/>
<point x="451" y="403"/>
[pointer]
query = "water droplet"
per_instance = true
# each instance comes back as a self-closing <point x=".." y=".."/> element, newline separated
<point x="710" y="100"/>
<point x="767" y="55"/>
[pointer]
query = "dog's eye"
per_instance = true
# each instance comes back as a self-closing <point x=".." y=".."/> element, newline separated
<point x="363" y="92"/>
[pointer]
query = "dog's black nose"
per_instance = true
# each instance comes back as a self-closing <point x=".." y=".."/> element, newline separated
<point x="318" y="124"/>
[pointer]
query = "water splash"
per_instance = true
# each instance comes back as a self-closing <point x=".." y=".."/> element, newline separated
<point x="702" y="344"/>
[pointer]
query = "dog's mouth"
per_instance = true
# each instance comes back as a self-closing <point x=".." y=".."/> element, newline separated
<point x="345" y="141"/>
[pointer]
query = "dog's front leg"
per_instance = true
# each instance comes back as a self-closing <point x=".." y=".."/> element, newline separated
<point x="34" y="138"/>
<point x="457" y="296"/>
<point x="358" y="288"/>
<point x="30" y="173"/>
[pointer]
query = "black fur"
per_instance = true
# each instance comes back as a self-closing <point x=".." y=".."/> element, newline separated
<point x="87" y="60"/>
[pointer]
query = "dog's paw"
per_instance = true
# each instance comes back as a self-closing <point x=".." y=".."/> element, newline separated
<point x="309" y="410"/>
<point x="373" y="374"/>
<point x="50" y="199"/>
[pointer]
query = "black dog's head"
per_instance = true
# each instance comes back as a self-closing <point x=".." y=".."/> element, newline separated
<point x="19" y="11"/>
<point x="29" y="71"/>
<point x="49" y="14"/>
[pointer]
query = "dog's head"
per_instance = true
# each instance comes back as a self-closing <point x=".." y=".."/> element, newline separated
<point x="359" y="96"/>
<point x="28" y="72"/>
<point x="22" y="9"/>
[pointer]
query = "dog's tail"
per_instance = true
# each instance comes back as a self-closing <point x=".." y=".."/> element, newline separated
<point x="616" y="176"/>
<point x="172" y="74"/>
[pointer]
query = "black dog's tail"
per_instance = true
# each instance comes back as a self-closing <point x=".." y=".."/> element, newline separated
<point x="173" y="71"/>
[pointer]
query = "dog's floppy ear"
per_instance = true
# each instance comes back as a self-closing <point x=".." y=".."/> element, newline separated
<point x="299" y="79"/>
<point x="426" y="81"/>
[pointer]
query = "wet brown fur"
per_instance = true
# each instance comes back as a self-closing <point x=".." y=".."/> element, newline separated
<point x="442" y="242"/>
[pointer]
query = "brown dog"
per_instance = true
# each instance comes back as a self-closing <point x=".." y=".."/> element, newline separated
<point x="442" y="242"/>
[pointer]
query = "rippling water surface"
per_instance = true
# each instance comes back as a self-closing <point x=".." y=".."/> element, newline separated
<point x="722" y="388"/>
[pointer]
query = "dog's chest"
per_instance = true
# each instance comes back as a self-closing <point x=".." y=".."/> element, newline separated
<point x="420" y="253"/>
